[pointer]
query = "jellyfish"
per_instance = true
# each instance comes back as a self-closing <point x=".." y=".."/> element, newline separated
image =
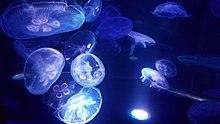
<point x="26" y="21"/>
<point x="25" y="47"/>
<point x="83" y="41"/>
<point x="139" y="39"/>
<point x="170" y="10"/>
<point x="215" y="8"/>
<point x="204" y="62"/>
<point x="107" y="12"/>
<point x="87" y="70"/>
<point x="42" y="68"/>
<point x="166" y="67"/>
<point x="59" y="93"/>
<point x="155" y="79"/>
<point x="114" y="28"/>
<point x="205" y="112"/>
<point x="82" y="107"/>
<point x="92" y="9"/>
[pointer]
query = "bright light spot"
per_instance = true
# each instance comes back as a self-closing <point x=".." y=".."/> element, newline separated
<point x="139" y="114"/>
<point x="89" y="45"/>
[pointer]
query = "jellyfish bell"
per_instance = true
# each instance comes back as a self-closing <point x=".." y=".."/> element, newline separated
<point x="42" y="68"/>
<point x="140" y="40"/>
<point x="82" y="107"/>
<point x="87" y="70"/>
<point x="170" y="10"/>
<point x="37" y="19"/>
<point x="166" y="67"/>
<point x="83" y="41"/>
<point x="92" y="9"/>
<point x="205" y="112"/>
<point x="153" y="78"/>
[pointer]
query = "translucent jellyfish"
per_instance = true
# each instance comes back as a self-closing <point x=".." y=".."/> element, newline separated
<point x="215" y="8"/>
<point x="26" y="47"/>
<point x="166" y="67"/>
<point x="205" y="62"/>
<point x="42" y="68"/>
<point x="205" y="112"/>
<point x="26" y="21"/>
<point x="114" y="28"/>
<point x="87" y="70"/>
<point x="139" y="39"/>
<point x="64" y="88"/>
<point x="153" y="78"/>
<point x="82" y="107"/>
<point x="19" y="76"/>
<point x="92" y="9"/>
<point x="83" y="41"/>
<point x="170" y="10"/>
<point x="106" y="13"/>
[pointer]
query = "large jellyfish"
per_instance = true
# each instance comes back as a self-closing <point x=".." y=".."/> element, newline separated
<point x="114" y="28"/>
<point x="83" y="41"/>
<point x="215" y="8"/>
<point x="87" y="70"/>
<point x="82" y="107"/>
<point x="205" y="112"/>
<point x="64" y="88"/>
<point x="26" y="47"/>
<point x="42" y="68"/>
<point x="26" y="21"/>
<point x="170" y="10"/>
<point x="166" y="67"/>
<point x="140" y="40"/>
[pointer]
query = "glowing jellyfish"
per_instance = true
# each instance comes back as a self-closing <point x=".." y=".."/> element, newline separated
<point x="153" y="78"/>
<point x="87" y="70"/>
<point x="25" y="21"/>
<point x="205" y="62"/>
<point x="83" y="41"/>
<point x="92" y="9"/>
<point x="166" y="67"/>
<point x="215" y="8"/>
<point x="42" y="68"/>
<point x="106" y="13"/>
<point x="114" y="28"/>
<point x="26" y="47"/>
<point x="140" y="39"/>
<point x="82" y="107"/>
<point x="61" y="91"/>
<point x="139" y="114"/>
<point x="170" y="10"/>
<point x="205" y="112"/>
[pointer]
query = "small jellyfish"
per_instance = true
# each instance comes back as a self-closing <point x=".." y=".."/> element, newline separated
<point x="42" y="68"/>
<point x="83" y="41"/>
<point x="166" y="67"/>
<point x="153" y="78"/>
<point x="139" y="39"/>
<point x="87" y="70"/>
<point x="201" y="62"/>
<point x="64" y="88"/>
<point x="205" y="112"/>
<point x="19" y="76"/>
<point x="26" y="47"/>
<point x="170" y="10"/>
<point x="114" y="28"/>
<point x="82" y="107"/>
<point x="26" y="21"/>
<point x="215" y="8"/>
<point x="92" y="9"/>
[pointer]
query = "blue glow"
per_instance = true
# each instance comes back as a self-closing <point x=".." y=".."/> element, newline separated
<point x="82" y="107"/>
<point x="215" y="7"/>
<point x="42" y="68"/>
<point x="141" y="40"/>
<point x="166" y="67"/>
<point x="139" y="114"/>
<point x="19" y="76"/>
<point x="25" y="21"/>
<point x="92" y="9"/>
<point x="170" y="10"/>
<point x="87" y="70"/>
<point x="114" y="28"/>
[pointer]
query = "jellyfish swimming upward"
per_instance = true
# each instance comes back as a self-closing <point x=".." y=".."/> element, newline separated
<point x="42" y="68"/>
<point x="26" y="21"/>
